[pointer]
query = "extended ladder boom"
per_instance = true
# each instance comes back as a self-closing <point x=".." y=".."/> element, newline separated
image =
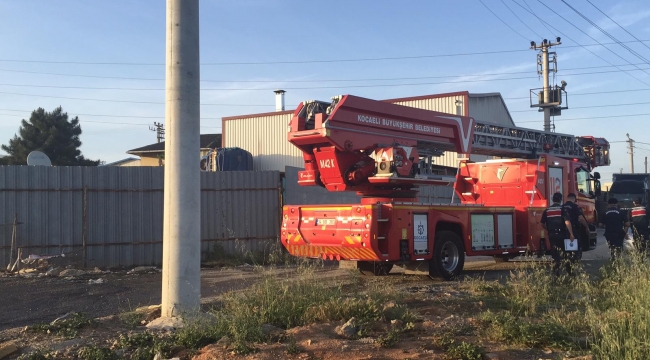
<point x="374" y="147"/>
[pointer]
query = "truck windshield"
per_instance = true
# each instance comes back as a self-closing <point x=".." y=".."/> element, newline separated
<point x="627" y="187"/>
<point x="584" y="185"/>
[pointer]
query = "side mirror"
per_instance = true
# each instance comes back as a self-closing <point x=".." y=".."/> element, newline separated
<point x="597" y="187"/>
<point x="597" y="175"/>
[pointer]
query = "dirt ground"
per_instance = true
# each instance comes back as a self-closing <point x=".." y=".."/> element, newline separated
<point x="27" y="301"/>
<point x="42" y="299"/>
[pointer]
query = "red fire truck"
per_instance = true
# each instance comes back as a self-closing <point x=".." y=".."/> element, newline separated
<point x="374" y="148"/>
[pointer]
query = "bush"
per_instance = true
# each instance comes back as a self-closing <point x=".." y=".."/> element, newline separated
<point x="97" y="353"/>
<point x="464" y="351"/>
<point x="608" y="314"/>
<point x="455" y="350"/>
<point x="390" y="339"/>
<point x="132" y="318"/>
<point x="512" y="329"/>
<point x="68" y="327"/>
<point x="37" y="355"/>
<point x="618" y="317"/>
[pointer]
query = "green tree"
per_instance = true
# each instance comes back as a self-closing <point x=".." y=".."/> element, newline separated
<point x="53" y="134"/>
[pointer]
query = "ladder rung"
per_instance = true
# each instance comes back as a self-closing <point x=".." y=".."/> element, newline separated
<point x="381" y="238"/>
<point x="382" y="220"/>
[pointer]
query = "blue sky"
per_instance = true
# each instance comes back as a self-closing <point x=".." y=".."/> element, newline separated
<point x="41" y="37"/>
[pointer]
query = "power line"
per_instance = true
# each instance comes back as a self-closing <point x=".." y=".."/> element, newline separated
<point x="113" y="116"/>
<point x="269" y="62"/>
<point x="323" y="80"/>
<point x="500" y="19"/>
<point x="578" y="44"/>
<point x="588" y="118"/>
<point x="116" y="101"/>
<point x="532" y="12"/>
<point x="612" y="20"/>
<point x="260" y="105"/>
<point x="586" y="93"/>
<point x="592" y="106"/>
<point x="521" y="21"/>
<point x="591" y="37"/>
<point x="293" y="88"/>
<point x="316" y="61"/>
<point x="121" y="123"/>
<point x="606" y="33"/>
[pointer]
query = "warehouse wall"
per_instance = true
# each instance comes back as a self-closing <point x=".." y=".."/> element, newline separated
<point x="489" y="108"/>
<point x="265" y="137"/>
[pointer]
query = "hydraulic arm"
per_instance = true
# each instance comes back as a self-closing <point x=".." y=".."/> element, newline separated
<point x="374" y="147"/>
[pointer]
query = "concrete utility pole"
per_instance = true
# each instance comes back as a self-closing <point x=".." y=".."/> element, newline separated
<point x="181" y="276"/>
<point x="543" y="61"/>
<point x="631" y="149"/>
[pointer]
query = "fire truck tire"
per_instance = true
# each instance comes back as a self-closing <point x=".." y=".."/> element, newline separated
<point x="448" y="256"/>
<point x="372" y="268"/>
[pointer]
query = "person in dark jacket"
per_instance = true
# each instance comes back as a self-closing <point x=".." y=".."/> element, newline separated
<point x="639" y="220"/>
<point x="616" y="225"/>
<point x="557" y="222"/>
<point x="578" y="224"/>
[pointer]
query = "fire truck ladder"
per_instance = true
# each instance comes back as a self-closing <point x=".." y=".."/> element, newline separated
<point x="510" y="141"/>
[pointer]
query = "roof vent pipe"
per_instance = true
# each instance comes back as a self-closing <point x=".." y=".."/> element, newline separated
<point x="279" y="100"/>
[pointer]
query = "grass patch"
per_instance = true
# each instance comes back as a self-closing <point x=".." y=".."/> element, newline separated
<point x="511" y="329"/>
<point x="457" y="350"/>
<point x="464" y="351"/>
<point x="132" y="319"/>
<point x="292" y="346"/>
<point x="37" y="355"/>
<point x="97" y="353"/>
<point x="390" y="339"/>
<point x="607" y="315"/>
<point x="282" y="302"/>
<point x="273" y="254"/>
<point x="68" y="327"/>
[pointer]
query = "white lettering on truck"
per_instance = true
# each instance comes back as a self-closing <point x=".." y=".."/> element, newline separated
<point x="398" y="124"/>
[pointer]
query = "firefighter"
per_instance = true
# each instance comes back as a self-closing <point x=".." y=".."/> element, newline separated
<point x="639" y="222"/>
<point x="616" y="225"/>
<point x="578" y="224"/>
<point x="557" y="222"/>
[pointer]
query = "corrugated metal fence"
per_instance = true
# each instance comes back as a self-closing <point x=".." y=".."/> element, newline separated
<point x="112" y="216"/>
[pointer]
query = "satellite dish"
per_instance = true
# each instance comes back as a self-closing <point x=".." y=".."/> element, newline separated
<point x="37" y="158"/>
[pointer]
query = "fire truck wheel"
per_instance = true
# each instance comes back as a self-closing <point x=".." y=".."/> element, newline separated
<point x="448" y="256"/>
<point x="371" y="268"/>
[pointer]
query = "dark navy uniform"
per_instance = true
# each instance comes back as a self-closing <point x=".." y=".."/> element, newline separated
<point x="639" y="219"/>
<point x="614" y="229"/>
<point x="554" y="217"/>
<point x="575" y="212"/>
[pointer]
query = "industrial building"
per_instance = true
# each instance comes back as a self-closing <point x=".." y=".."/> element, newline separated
<point x="154" y="154"/>
<point x="265" y="135"/>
